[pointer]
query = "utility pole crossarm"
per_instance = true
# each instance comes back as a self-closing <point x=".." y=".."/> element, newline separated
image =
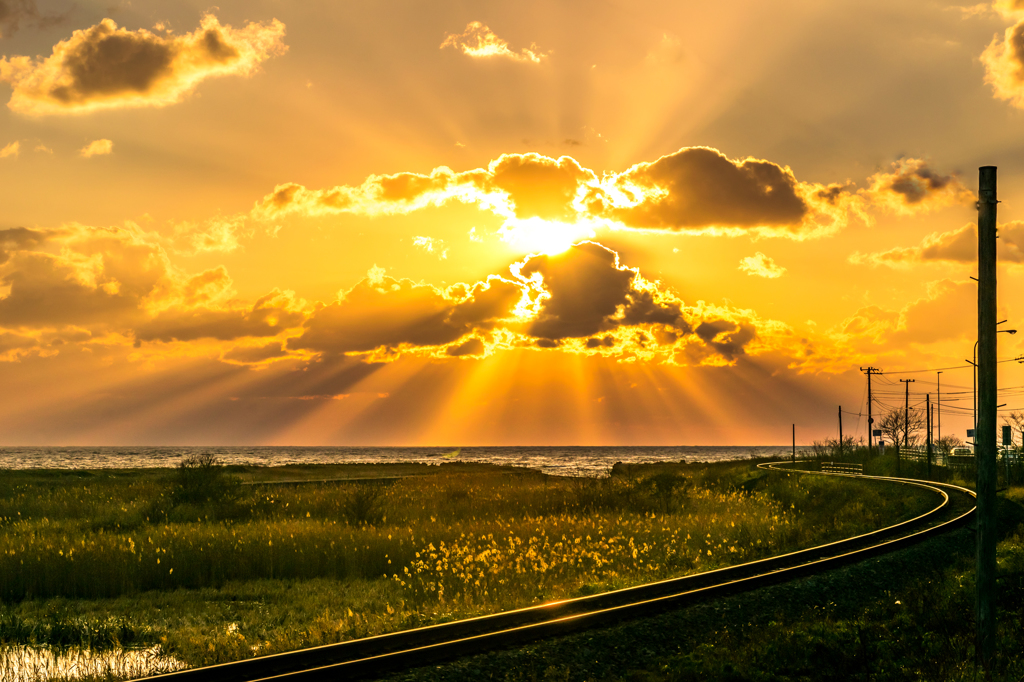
<point x="906" y="414"/>
<point x="871" y="436"/>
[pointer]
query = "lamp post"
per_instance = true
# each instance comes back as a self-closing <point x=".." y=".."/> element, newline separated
<point x="975" y="365"/>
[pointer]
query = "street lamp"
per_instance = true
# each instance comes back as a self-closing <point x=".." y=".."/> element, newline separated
<point x="975" y="365"/>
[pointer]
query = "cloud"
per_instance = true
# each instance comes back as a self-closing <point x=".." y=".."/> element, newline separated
<point x="269" y="316"/>
<point x="106" y="67"/>
<point x="587" y="291"/>
<point x="696" y="190"/>
<point x="431" y="245"/>
<point x="480" y="42"/>
<point x="580" y="301"/>
<point x="912" y="187"/>
<point x="956" y="246"/>
<point x="97" y="148"/>
<point x="17" y="239"/>
<point x="80" y="285"/>
<point x="760" y="265"/>
<point x="10" y="150"/>
<point x="1004" y="65"/>
<point x="935" y="324"/>
<point x="382" y="312"/>
<point x="14" y="13"/>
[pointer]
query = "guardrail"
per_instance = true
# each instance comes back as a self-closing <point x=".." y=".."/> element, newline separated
<point x="426" y="645"/>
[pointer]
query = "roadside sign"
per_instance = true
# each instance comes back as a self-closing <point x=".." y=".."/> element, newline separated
<point x="876" y="432"/>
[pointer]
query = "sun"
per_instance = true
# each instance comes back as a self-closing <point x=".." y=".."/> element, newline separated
<point x="543" y="236"/>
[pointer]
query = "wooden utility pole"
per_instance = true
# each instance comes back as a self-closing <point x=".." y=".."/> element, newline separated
<point x="938" y="402"/>
<point x="794" y="442"/>
<point x="985" y="433"/>
<point x="906" y="414"/>
<point x="928" y="430"/>
<point x="840" y="431"/>
<point x="871" y="434"/>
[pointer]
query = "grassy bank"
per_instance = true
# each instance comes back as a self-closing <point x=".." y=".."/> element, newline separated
<point x="215" y="570"/>
<point x="900" y="618"/>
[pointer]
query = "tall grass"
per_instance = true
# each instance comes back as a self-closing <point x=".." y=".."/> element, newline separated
<point x="427" y="548"/>
<point x="509" y="533"/>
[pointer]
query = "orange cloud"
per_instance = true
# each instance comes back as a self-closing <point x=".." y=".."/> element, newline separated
<point x="10" y="150"/>
<point x="97" y="148"/>
<point x="912" y="187"/>
<point x="1004" y="65"/>
<point x="696" y="190"/>
<point x="480" y="42"/>
<point x="581" y="301"/>
<point x="955" y="246"/>
<point x="106" y="67"/>
<point x="760" y="265"/>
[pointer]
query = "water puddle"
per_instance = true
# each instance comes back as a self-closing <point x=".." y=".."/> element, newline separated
<point x="43" y="664"/>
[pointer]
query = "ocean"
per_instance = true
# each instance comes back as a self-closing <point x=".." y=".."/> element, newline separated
<point x="558" y="460"/>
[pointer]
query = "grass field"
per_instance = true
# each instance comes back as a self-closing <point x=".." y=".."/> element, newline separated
<point x="214" y="564"/>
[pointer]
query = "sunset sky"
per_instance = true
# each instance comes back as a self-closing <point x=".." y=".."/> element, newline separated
<point x="497" y="223"/>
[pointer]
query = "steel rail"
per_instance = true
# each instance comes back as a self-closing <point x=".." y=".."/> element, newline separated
<point x="429" y="644"/>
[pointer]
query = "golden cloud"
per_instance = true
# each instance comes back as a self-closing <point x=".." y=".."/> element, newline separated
<point x="581" y="301"/>
<point x="480" y="42"/>
<point x="696" y="189"/>
<point x="911" y="187"/>
<point x="553" y="202"/>
<point x="956" y="246"/>
<point x="760" y="265"/>
<point x="97" y="148"/>
<point x="106" y="67"/>
<point x="10" y="150"/>
<point x="1004" y="65"/>
<point x="119" y="283"/>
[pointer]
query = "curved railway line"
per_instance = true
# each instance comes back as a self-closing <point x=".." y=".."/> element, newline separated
<point x="407" y="649"/>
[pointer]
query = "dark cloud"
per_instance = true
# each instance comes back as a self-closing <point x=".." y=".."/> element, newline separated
<point x="106" y="62"/>
<point x="473" y="346"/>
<point x="104" y="66"/>
<point x="14" y="13"/>
<point x="269" y="316"/>
<point x="605" y="342"/>
<point x="700" y="187"/>
<point x="390" y="313"/>
<point x="591" y="293"/>
<point x="18" y="239"/>
<point x="912" y="186"/>
<point x="540" y="186"/>
<point x="727" y="338"/>
<point x="254" y="355"/>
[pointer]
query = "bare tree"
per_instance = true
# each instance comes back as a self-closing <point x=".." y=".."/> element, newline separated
<point x="1016" y="421"/>
<point x="947" y="444"/>
<point x="899" y="426"/>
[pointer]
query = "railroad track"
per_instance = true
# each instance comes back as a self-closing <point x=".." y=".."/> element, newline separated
<point x="406" y="649"/>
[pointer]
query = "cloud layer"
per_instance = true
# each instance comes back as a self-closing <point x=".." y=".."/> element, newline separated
<point x="84" y="286"/>
<point x="696" y="190"/>
<point x="106" y="67"/>
<point x="956" y="246"/>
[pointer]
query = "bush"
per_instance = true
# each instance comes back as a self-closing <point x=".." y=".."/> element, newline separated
<point x="202" y="480"/>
